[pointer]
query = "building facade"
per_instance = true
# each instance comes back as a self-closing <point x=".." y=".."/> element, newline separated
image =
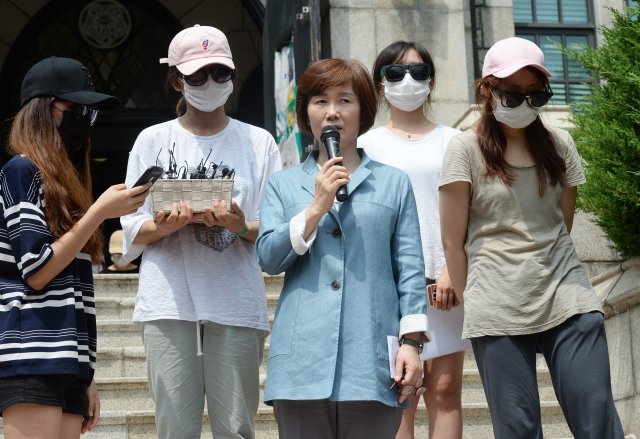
<point x="121" y="41"/>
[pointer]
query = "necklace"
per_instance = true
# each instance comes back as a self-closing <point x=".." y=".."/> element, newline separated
<point x="411" y="132"/>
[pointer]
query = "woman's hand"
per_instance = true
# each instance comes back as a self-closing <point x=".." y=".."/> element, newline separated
<point x="445" y="295"/>
<point x="165" y="224"/>
<point x="329" y="179"/>
<point x="218" y="215"/>
<point x="181" y="214"/>
<point x="91" y="420"/>
<point x="118" y="200"/>
<point x="408" y="370"/>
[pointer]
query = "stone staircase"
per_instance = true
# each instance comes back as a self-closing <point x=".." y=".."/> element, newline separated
<point x="128" y="411"/>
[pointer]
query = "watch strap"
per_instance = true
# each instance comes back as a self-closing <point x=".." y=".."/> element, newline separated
<point x="411" y="342"/>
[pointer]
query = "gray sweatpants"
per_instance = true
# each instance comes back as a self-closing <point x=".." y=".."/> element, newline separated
<point x="578" y="360"/>
<point x="227" y="374"/>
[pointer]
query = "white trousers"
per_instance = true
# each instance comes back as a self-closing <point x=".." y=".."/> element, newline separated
<point x="226" y="374"/>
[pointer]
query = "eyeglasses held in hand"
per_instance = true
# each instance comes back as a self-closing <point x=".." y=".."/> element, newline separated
<point x="410" y="390"/>
<point x="218" y="72"/>
<point x="513" y="99"/>
<point x="396" y="72"/>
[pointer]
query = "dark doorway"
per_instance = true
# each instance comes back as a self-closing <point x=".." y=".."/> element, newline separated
<point x="121" y="49"/>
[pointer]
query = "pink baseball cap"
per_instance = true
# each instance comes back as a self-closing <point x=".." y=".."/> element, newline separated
<point x="197" y="46"/>
<point x="508" y="56"/>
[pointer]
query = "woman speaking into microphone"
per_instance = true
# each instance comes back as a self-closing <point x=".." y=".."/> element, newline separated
<point x="354" y="271"/>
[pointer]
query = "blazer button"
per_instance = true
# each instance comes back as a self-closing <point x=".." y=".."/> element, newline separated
<point x="336" y="233"/>
<point x="335" y="285"/>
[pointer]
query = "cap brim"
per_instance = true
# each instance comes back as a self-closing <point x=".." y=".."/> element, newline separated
<point x="99" y="100"/>
<point x="508" y="71"/>
<point x="189" y="67"/>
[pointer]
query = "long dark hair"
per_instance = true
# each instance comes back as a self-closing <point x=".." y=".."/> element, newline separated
<point x="67" y="188"/>
<point x="550" y="166"/>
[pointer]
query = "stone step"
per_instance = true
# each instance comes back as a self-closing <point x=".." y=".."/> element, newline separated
<point x="114" y="308"/>
<point x="128" y="394"/>
<point x="121" y="362"/>
<point x="120" y="351"/>
<point x="117" y="308"/>
<point x="132" y="392"/>
<point x="139" y="424"/>
<point x="118" y="334"/>
<point x="125" y="286"/>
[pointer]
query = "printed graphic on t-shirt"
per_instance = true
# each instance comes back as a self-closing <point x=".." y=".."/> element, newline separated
<point x="216" y="237"/>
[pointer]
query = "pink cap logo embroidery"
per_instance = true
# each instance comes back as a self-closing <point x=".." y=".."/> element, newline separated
<point x="205" y="44"/>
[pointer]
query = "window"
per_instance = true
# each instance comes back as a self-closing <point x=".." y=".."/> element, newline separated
<point x="564" y="22"/>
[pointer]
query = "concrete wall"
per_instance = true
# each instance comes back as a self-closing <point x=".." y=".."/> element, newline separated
<point x="619" y="290"/>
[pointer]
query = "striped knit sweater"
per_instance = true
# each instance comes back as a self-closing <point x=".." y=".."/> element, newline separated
<point x="46" y="332"/>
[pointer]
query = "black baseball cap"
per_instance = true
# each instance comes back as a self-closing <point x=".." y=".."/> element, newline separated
<point x="66" y="79"/>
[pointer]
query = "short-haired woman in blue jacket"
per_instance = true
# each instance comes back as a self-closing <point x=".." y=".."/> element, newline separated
<point x="354" y="273"/>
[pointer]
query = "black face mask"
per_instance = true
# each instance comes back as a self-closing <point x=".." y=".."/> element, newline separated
<point x="74" y="131"/>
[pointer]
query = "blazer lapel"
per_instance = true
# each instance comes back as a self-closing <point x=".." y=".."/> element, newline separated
<point x="310" y="168"/>
<point x="360" y="174"/>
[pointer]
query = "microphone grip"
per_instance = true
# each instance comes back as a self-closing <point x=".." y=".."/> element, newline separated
<point x="333" y="147"/>
<point x="342" y="193"/>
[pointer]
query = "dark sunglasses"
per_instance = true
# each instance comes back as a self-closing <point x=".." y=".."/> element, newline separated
<point x="85" y="111"/>
<point x="513" y="99"/>
<point x="396" y="72"/>
<point x="81" y="111"/>
<point x="218" y="72"/>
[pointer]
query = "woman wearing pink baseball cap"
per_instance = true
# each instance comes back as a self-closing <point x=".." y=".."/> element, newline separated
<point x="201" y="299"/>
<point x="507" y="200"/>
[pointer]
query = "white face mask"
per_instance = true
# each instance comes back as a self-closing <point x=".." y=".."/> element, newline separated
<point x="519" y="117"/>
<point x="209" y="96"/>
<point x="118" y="260"/>
<point x="408" y="94"/>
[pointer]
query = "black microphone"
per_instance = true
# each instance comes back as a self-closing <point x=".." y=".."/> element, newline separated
<point x="330" y="137"/>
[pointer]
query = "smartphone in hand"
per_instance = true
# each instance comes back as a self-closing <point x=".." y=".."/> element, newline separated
<point x="150" y="175"/>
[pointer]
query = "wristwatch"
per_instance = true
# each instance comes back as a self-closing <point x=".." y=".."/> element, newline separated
<point x="411" y="342"/>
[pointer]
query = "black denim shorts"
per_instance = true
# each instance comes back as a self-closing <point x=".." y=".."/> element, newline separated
<point x="64" y="391"/>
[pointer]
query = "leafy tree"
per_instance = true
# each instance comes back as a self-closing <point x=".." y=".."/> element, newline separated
<point x="607" y="131"/>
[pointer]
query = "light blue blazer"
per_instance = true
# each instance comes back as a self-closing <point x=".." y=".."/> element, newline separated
<point x="342" y="298"/>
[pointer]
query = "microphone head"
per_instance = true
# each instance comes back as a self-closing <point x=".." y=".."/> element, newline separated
<point x="329" y="131"/>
